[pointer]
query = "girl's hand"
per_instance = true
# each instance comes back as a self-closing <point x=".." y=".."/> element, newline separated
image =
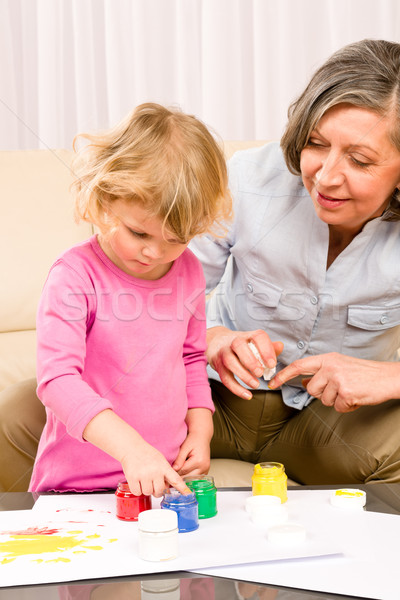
<point x="145" y="468"/>
<point x="148" y="472"/>
<point x="344" y="382"/>
<point x="229" y="354"/>
<point x="194" y="456"/>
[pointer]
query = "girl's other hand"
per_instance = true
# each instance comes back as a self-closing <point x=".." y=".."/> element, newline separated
<point x="194" y="456"/>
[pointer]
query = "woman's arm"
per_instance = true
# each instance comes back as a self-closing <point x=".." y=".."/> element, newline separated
<point x="344" y="382"/>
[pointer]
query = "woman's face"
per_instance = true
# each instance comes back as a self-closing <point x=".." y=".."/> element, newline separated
<point x="350" y="167"/>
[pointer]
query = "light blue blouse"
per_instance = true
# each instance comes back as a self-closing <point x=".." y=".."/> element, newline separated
<point x="276" y="278"/>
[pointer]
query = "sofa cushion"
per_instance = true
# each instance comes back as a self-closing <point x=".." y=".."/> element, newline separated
<point x="37" y="225"/>
<point x="17" y="356"/>
<point x="228" y="472"/>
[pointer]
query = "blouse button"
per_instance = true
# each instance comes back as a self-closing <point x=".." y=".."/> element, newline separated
<point x="249" y="287"/>
<point x="384" y="319"/>
<point x="314" y="300"/>
<point x="300" y="344"/>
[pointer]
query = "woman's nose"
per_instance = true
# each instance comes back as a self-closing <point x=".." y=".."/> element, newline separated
<point x="330" y="172"/>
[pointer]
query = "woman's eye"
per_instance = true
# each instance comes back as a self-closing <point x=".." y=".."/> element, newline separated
<point x="314" y="143"/>
<point x="360" y="163"/>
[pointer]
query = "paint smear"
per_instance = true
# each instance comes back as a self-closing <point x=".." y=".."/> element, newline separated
<point x="28" y="545"/>
<point x="33" y="531"/>
<point x="60" y="559"/>
<point x="5" y="561"/>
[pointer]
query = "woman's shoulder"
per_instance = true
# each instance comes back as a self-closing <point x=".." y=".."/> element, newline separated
<point x="262" y="170"/>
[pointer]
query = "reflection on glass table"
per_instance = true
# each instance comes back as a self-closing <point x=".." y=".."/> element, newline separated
<point x="189" y="587"/>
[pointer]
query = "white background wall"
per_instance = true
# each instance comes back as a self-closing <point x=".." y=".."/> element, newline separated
<point x="76" y="65"/>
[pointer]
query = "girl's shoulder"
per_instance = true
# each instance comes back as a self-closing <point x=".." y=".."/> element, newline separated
<point x="78" y="251"/>
<point x="77" y="259"/>
<point x="188" y="266"/>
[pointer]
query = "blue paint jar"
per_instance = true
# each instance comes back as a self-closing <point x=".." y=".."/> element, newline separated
<point x="186" y="507"/>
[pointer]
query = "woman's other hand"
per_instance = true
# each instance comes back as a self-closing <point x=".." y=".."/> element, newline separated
<point x="344" y="382"/>
<point x="229" y="354"/>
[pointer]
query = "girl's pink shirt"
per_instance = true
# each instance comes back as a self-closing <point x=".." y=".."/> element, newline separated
<point x="108" y="340"/>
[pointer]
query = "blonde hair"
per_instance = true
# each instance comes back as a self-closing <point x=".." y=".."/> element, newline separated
<point x="163" y="159"/>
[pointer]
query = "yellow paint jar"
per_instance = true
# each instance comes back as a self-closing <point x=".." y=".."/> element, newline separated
<point x="270" y="479"/>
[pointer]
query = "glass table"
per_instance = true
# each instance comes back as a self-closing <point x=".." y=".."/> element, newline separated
<point x="182" y="585"/>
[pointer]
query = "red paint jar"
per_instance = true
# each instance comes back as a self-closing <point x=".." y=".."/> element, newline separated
<point x="128" y="505"/>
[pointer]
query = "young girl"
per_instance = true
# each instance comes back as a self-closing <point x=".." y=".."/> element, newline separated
<point x="121" y="325"/>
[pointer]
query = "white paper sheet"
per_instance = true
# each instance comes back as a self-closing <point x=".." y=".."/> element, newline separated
<point x="368" y="569"/>
<point x="93" y="543"/>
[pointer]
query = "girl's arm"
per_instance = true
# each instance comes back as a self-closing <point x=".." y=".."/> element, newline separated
<point x="145" y="468"/>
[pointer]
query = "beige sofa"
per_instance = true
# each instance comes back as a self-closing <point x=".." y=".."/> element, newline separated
<point x="37" y="224"/>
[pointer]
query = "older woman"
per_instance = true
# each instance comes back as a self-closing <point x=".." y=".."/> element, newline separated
<point x="310" y="273"/>
<point x="314" y="279"/>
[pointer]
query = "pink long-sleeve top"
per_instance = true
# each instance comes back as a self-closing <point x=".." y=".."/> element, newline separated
<point x="108" y="340"/>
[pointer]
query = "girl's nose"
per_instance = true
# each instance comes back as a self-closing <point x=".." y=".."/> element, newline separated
<point x="152" y="250"/>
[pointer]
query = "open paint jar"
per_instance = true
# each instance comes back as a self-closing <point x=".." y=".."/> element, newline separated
<point x="269" y="478"/>
<point x="185" y="506"/>
<point x="206" y="493"/>
<point x="128" y="505"/>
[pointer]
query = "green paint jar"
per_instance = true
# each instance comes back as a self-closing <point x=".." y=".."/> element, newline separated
<point x="206" y="493"/>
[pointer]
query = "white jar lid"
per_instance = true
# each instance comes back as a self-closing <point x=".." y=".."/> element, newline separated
<point x="269" y="516"/>
<point x="158" y="520"/>
<point x="348" y="498"/>
<point x="253" y="502"/>
<point x="287" y="534"/>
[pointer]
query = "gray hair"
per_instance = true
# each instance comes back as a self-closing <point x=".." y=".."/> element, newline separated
<point x="365" y="74"/>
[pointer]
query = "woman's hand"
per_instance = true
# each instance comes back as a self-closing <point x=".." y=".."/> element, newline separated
<point x="229" y="354"/>
<point x="344" y="382"/>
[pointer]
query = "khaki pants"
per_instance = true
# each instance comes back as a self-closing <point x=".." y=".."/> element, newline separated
<point x="317" y="445"/>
